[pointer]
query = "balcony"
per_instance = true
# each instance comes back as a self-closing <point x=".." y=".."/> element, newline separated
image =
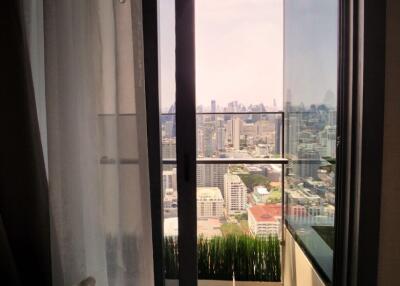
<point x="242" y="238"/>
<point x="246" y="147"/>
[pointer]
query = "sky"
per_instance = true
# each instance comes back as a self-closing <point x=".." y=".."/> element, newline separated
<point x="239" y="52"/>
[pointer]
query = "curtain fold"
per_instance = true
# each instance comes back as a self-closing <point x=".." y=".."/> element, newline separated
<point x="96" y="132"/>
<point x="24" y="209"/>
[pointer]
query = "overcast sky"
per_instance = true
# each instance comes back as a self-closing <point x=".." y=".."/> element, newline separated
<point x="239" y="51"/>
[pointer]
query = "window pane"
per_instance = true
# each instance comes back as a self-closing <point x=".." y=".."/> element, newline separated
<point x="239" y="55"/>
<point x="251" y="135"/>
<point x="310" y="95"/>
<point x="239" y="225"/>
<point x="166" y="37"/>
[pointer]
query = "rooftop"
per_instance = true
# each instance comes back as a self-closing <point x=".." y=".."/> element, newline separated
<point x="209" y="193"/>
<point x="261" y="190"/>
<point x="269" y="212"/>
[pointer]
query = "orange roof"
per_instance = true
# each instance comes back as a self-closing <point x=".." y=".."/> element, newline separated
<point x="297" y="210"/>
<point x="267" y="212"/>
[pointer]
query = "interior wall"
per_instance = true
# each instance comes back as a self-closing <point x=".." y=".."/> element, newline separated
<point x="389" y="252"/>
<point x="298" y="270"/>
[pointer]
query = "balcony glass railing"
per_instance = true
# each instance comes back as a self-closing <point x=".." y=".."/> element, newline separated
<point x="239" y="195"/>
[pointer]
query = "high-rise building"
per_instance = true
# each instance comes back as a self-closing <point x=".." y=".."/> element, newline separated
<point x="292" y="135"/>
<point x="235" y="194"/>
<point x="213" y="109"/>
<point x="278" y="135"/>
<point x="332" y="117"/>
<point x="331" y="141"/>
<point x="169" y="179"/>
<point x="211" y="175"/>
<point x="220" y="134"/>
<point x="235" y="132"/>
<point x="169" y="129"/>
<point x="169" y="148"/>
<point x="308" y="161"/>
<point x="200" y="142"/>
<point x="210" y="203"/>
<point x="209" y="141"/>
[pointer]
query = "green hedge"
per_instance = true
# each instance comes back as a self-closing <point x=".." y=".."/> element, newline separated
<point x="251" y="258"/>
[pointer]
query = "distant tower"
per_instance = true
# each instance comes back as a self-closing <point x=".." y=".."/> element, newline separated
<point x="278" y="135"/>
<point x="213" y="109"/>
<point x="235" y="129"/>
<point x="309" y="162"/>
<point x="221" y="138"/>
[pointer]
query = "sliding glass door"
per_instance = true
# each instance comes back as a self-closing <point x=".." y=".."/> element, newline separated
<point x="310" y="104"/>
<point x="245" y="88"/>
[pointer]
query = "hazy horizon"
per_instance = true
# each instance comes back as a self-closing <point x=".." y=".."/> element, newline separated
<point x="239" y="52"/>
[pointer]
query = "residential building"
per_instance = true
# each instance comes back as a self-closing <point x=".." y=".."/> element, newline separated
<point x="235" y="194"/>
<point x="211" y="175"/>
<point x="265" y="220"/>
<point x="210" y="203"/>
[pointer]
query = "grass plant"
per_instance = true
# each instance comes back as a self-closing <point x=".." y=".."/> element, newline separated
<point x="251" y="258"/>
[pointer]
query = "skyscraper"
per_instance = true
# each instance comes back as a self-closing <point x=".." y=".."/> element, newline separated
<point x="213" y="109"/>
<point x="211" y="175"/>
<point x="221" y="138"/>
<point x="278" y="135"/>
<point x="235" y="135"/>
<point x="235" y="194"/>
<point x="308" y="161"/>
<point x="209" y="141"/>
<point x="292" y="135"/>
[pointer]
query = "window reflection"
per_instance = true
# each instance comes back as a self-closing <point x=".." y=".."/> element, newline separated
<point x="310" y="81"/>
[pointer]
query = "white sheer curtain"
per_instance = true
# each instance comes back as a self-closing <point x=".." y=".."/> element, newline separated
<point x="97" y="149"/>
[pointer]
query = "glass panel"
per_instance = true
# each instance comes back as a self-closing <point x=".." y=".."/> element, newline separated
<point x="170" y="204"/>
<point x="239" y="215"/>
<point x="239" y="135"/>
<point x="239" y="55"/>
<point x="310" y="87"/>
<point x="239" y="62"/>
<point x="168" y="136"/>
<point x="166" y="36"/>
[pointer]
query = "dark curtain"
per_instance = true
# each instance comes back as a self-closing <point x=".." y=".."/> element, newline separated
<point x="24" y="207"/>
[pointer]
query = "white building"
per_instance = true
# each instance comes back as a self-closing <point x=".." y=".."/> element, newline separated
<point x="210" y="203"/>
<point x="169" y="179"/>
<point x="261" y="193"/>
<point x="265" y="220"/>
<point x="235" y="194"/>
<point x="235" y="124"/>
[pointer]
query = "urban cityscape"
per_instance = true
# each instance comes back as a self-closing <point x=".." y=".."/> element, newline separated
<point x="246" y="198"/>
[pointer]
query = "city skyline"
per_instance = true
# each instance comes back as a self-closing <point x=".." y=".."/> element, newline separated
<point x="228" y="48"/>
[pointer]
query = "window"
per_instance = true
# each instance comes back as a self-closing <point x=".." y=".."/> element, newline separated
<point x="310" y="101"/>
<point x="224" y="137"/>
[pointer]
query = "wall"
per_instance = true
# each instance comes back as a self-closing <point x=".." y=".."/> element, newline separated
<point x="389" y="252"/>
<point x="298" y="269"/>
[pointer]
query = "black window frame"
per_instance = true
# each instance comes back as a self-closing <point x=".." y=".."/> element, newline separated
<point x="362" y="32"/>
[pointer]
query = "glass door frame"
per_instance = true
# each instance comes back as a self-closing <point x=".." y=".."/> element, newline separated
<point x="361" y="56"/>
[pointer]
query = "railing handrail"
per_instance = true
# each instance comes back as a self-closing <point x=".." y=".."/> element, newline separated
<point x="272" y="161"/>
<point x="230" y="113"/>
